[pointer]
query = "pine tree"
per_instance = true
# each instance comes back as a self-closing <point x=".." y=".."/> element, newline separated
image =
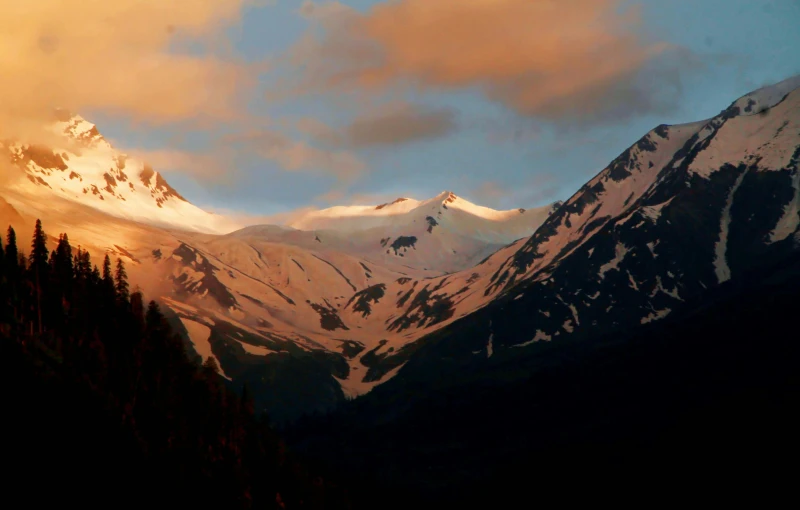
<point x="5" y="313"/>
<point x="137" y="309"/>
<point x="154" y="319"/>
<point x="108" y="277"/>
<point x="85" y="265"/>
<point x="38" y="266"/>
<point x="39" y="253"/>
<point x="211" y="368"/>
<point x="63" y="260"/>
<point x="121" y="282"/>
<point x="12" y="254"/>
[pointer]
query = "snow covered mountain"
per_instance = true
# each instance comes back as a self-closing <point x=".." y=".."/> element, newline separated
<point x="446" y="210"/>
<point x="83" y="167"/>
<point x="445" y="233"/>
<point x="684" y="209"/>
<point x="263" y="298"/>
<point x="349" y="298"/>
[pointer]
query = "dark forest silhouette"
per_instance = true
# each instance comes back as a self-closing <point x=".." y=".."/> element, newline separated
<point x="103" y="407"/>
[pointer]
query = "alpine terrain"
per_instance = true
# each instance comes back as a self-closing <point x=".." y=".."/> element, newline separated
<point x="645" y="323"/>
<point x="339" y="301"/>
<point x="417" y="306"/>
<point x="298" y="312"/>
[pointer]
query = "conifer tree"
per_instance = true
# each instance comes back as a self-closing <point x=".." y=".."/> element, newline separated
<point x="85" y="265"/>
<point x="63" y="260"/>
<point x="38" y="266"/>
<point x="12" y="254"/>
<point x="5" y="314"/>
<point x="76" y="262"/>
<point x="211" y="368"/>
<point x="154" y="320"/>
<point x="108" y="277"/>
<point x="39" y="253"/>
<point x="137" y="310"/>
<point x="121" y="282"/>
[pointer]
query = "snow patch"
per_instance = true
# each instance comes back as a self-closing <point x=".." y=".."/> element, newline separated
<point x="790" y="219"/>
<point x="619" y="255"/>
<point x="656" y="315"/>
<point x="355" y="387"/>
<point x="256" y="350"/>
<point x="540" y="336"/>
<point x="200" y="334"/>
<point x="720" y="261"/>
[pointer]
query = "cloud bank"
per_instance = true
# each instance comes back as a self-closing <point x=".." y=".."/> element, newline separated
<point x="117" y="57"/>
<point x="552" y="59"/>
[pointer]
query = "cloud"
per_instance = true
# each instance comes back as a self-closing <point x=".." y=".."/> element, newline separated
<point x="118" y="57"/>
<point x="577" y="60"/>
<point x="298" y="155"/>
<point x="283" y="218"/>
<point x="208" y="166"/>
<point x="388" y="125"/>
<point x="536" y="190"/>
<point x="244" y="219"/>
<point x="489" y="193"/>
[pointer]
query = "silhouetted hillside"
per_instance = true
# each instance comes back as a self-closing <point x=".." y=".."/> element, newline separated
<point x="102" y="407"/>
<point x="707" y="397"/>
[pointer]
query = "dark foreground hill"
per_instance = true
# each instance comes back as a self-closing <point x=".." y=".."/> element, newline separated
<point x="102" y="408"/>
<point x="703" y="402"/>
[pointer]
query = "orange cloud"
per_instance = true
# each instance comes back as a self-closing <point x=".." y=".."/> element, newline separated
<point x="116" y="56"/>
<point x="547" y="58"/>
<point x="213" y="166"/>
<point x="387" y="125"/>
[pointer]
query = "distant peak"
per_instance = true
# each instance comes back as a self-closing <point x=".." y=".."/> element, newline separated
<point x="396" y="201"/>
<point x="448" y="196"/>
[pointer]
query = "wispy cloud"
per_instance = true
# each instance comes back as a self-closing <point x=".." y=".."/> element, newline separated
<point x="536" y="190"/>
<point x="386" y="126"/>
<point x="298" y="155"/>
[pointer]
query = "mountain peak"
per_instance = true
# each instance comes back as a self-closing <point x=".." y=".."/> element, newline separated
<point x="80" y="165"/>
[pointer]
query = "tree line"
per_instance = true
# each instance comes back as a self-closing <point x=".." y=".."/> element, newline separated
<point x="86" y="353"/>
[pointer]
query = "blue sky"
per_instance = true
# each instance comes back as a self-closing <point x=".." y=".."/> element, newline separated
<point x="473" y="141"/>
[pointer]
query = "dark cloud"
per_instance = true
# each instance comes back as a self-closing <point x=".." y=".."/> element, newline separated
<point x="386" y="126"/>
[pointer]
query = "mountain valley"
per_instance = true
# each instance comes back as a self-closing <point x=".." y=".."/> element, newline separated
<point x="343" y="299"/>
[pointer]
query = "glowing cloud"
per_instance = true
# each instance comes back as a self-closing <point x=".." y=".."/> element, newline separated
<point x="116" y="56"/>
<point x="548" y="58"/>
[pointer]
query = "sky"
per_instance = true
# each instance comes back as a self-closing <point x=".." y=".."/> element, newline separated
<point x="260" y="107"/>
